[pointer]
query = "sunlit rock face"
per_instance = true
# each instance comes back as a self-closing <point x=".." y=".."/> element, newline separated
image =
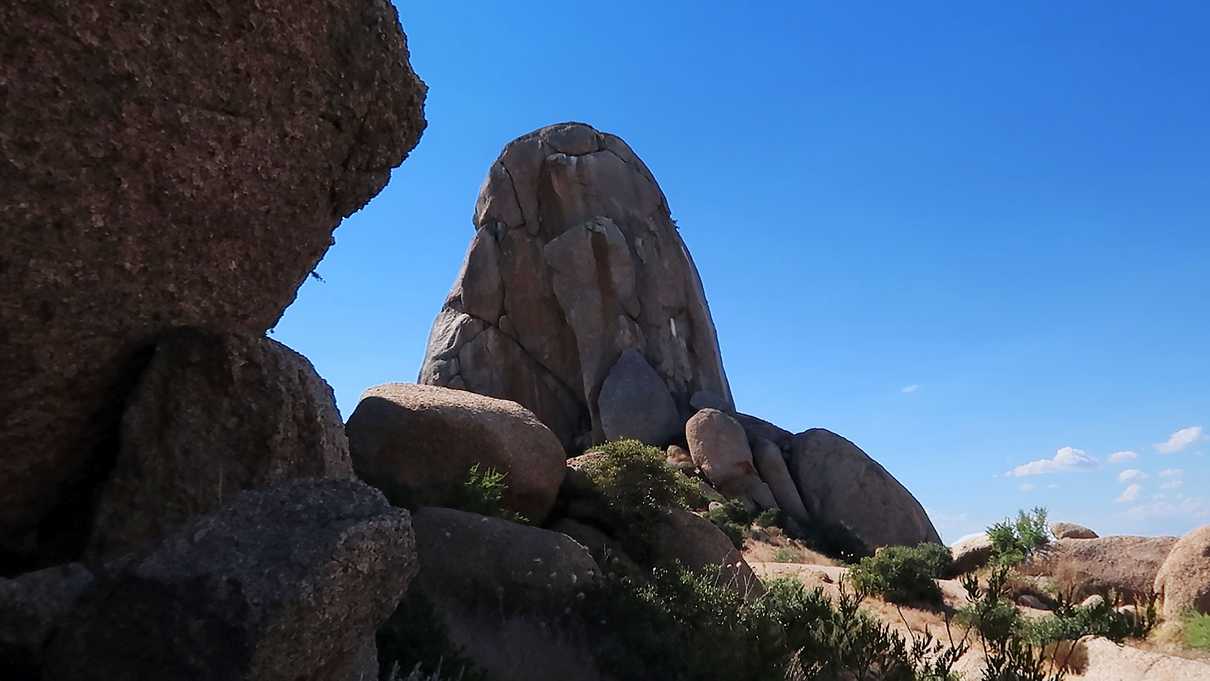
<point x="575" y="261"/>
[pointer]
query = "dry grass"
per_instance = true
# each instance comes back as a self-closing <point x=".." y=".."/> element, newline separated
<point x="771" y="545"/>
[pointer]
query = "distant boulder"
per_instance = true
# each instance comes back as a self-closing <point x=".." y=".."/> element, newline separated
<point x="1071" y="531"/>
<point x="970" y="553"/>
<point x="575" y="261"/>
<point x="842" y="485"/>
<point x="417" y="443"/>
<point x="1126" y="565"/>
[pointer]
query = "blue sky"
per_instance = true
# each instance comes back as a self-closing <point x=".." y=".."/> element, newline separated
<point x="966" y="238"/>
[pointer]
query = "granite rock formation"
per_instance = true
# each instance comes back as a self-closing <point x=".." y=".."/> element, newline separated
<point x="575" y="260"/>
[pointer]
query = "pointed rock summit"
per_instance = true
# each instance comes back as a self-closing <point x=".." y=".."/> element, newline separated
<point x="577" y="279"/>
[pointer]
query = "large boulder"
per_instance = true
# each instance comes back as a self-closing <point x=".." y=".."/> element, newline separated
<point x="1071" y="531"/>
<point x="697" y="544"/>
<point x="417" y="442"/>
<point x="1184" y="578"/>
<point x="771" y="466"/>
<point x="575" y="260"/>
<point x="720" y="448"/>
<point x="32" y="606"/>
<point x="211" y="416"/>
<point x="842" y="485"/>
<point x="970" y="553"/>
<point x="635" y="403"/>
<point x="1082" y="567"/>
<point x="166" y="165"/>
<point x="285" y="583"/>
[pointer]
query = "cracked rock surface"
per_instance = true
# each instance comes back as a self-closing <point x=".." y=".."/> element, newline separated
<point x="575" y="260"/>
<point x="167" y="164"/>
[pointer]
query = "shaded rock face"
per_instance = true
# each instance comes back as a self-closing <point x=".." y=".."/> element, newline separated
<point x="696" y="543"/>
<point x="1126" y="565"/>
<point x="285" y="583"/>
<point x="970" y="554"/>
<point x="772" y="468"/>
<point x="417" y="442"/>
<point x="31" y="609"/>
<point x="575" y="260"/>
<point x="1184" y="578"/>
<point x="168" y="165"/>
<point x="211" y="416"/>
<point x="841" y="484"/>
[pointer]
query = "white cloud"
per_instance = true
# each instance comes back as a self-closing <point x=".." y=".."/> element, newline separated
<point x="1119" y="457"/>
<point x="907" y="389"/>
<point x="1186" y="507"/>
<point x="964" y="537"/>
<point x="1172" y="472"/>
<point x="1027" y="487"/>
<point x="1066" y="459"/>
<point x="1131" y="474"/>
<point x="1180" y="440"/>
<point x="1173" y="484"/>
<point x="1130" y="493"/>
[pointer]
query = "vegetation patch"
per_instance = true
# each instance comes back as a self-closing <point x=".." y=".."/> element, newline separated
<point x="483" y="492"/>
<point x="733" y="519"/>
<point x="1196" y="631"/>
<point x="903" y="574"/>
<point x="414" y="638"/>
<point x="1014" y="541"/>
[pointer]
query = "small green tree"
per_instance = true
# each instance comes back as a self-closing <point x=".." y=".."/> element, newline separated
<point x="1014" y="541"/>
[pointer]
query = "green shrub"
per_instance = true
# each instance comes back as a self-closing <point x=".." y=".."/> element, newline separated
<point x="903" y="574"/>
<point x="787" y="554"/>
<point x="483" y="492"/>
<point x="638" y="487"/>
<point x="415" y="638"/>
<point x="1071" y="622"/>
<point x="1196" y="631"/>
<point x="733" y="519"/>
<point x="770" y="517"/>
<point x="1008" y="654"/>
<point x="1013" y="541"/>
<point x="691" y="626"/>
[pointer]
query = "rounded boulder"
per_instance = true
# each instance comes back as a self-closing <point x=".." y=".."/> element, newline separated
<point x="1184" y="579"/>
<point x="417" y="443"/>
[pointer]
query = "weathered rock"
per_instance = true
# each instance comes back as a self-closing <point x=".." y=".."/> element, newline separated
<point x="678" y="457"/>
<point x="1093" y="601"/>
<point x="167" y="166"/>
<point x="1071" y="531"/>
<point x="772" y="468"/>
<point x="1031" y="601"/>
<point x="213" y="415"/>
<point x="31" y="608"/>
<point x="417" y="442"/>
<point x="755" y="428"/>
<point x="1127" y="565"/>
<point x="469" y="561"/>
<point x="697" y="544"/>
<point x="706" y="399"/>
<point x="720" y="448"/>
<point x="841" y="484"/>
<point x="285" y="583"/>
<point x="589" y="265"/>
<point x="635" y="403"/>
<point x="971" y="553"/>
<point x="1183" y="580"/>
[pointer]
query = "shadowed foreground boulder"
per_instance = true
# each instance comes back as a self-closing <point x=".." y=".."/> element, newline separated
<point x="166" y="165"/>
<point x="213" y="415"/>
<point x="31" y="609"/>
<point x="287" y="583"/>
<point x="842" y="485"/>
<point x="417" y="442"/>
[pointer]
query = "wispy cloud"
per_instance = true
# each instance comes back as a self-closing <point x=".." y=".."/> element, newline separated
<point x="1131" y="474"/>
<point x="1119" y="457"/>
<point x="1027" y="487"/>
<point x="1130" y="494"/>
<point x="909" y="389"/>
<point x="1066" y="459"/>
<point x="1173" y="484"/>
<point x="1172" y="472"/>
<point x="1189" y="508"/>
<point x="1180" y="440"/>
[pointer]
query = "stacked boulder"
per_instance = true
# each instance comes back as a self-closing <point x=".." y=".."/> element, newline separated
<point x="176" y="497"/>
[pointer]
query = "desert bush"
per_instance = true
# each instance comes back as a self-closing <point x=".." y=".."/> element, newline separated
<point x="483" y="492"/>
<point x="1008" y="654"/>
<point x="1196" y="631"/>
<point x="903" y="574"/>
<point x="415" y="638"/>
<point x="770" y="517"/>
<point x="1071" y="622"/>
<point x="733" y="519"/>
<point x="1013" y="541"/>
<point x="638" y="487"/>
<point x="787" y="554"/>
<point x="692" y="626"/>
